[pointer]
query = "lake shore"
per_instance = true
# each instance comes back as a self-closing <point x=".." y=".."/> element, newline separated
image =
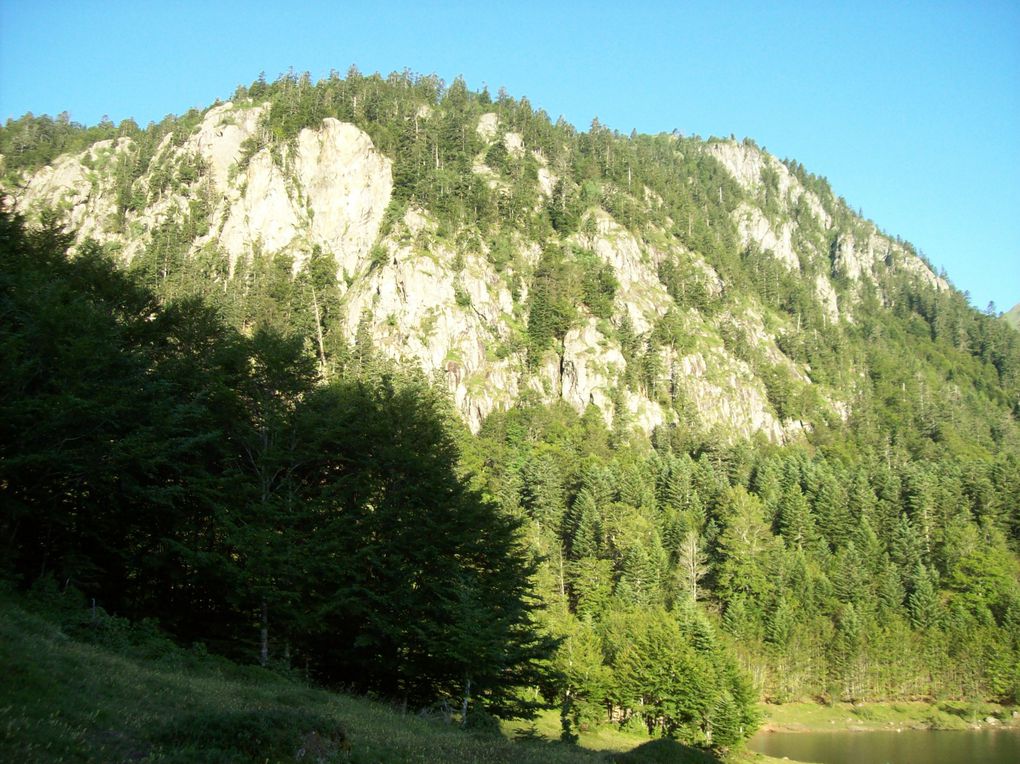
<point x="806" y="717"/>
<point x="898" y="715"/>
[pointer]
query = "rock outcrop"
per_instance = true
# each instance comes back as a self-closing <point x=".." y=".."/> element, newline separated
<point x="439" y="302"/>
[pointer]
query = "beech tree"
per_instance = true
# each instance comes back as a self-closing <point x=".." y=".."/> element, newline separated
<point x="171" y="468"/>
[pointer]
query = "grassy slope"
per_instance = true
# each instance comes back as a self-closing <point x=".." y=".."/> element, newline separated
<point x="944" y="715"/>
<point x="66" y="700"/>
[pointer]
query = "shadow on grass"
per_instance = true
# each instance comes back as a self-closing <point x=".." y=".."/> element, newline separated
<point x="530" y="739"/>
<point x="273" y="734"/>
<point x="665" y="751"/>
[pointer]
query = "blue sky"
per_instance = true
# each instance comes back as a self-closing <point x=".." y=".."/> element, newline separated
<point x="911" y="110"/>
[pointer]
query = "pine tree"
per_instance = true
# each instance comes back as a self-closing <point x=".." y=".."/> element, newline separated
<point x="591" y="586"/>
<point x="587" y="538"/>
<point x="923" y="601"/>
<point x="745" y="549"/>
<point x="692" y="564"/>
<point x="794" y="521"/>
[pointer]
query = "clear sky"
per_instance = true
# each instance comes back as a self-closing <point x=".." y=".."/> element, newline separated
<point x="910" y="109"/>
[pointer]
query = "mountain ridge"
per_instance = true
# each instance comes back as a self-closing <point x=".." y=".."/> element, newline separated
<point x="455" y="301"/>
<point x="1012" y="316"/>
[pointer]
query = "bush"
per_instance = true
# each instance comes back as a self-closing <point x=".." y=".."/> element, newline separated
<point x="378" y="256"/>
<point x="864" y="712"/>
<point x="142" y="639"/>
<point x="482" y="723"/>
<point x="46" y="597"/>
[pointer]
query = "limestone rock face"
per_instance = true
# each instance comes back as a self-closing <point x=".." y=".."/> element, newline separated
<point x="330" y="191"/>
<point x="859" y="259"/>
<point x="827" y="298"/>
<point x="427" y="309"/>
<point x="262" y="215"/>
<point x="915" y="265"/>
<point x="438" y="299"/>
<point x="754" y="228"/>
<point x="346" y="185"/>
<point x="87" y="196"/>
<point x="591" y="363"/>
<point x="220" y="136"/>
<point x="726" y="394"/>
<point x="488" y="125"/>
<point x="546" y="181"/>
<point x="640" y="294"/>
<point x="853" y="262"/>
<point x="747" y="164"/>
<point x="853" y="257"/>
<point x="443" y="309"/>
<point x="514" y="144"/>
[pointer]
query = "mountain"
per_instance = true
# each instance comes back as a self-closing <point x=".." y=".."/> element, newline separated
<point x="1012" y="316"/>
<point x="395" y="341"/>
<point x="687" y="275"/>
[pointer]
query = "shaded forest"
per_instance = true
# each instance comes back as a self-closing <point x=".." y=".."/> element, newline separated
<point x="172" y="468"/>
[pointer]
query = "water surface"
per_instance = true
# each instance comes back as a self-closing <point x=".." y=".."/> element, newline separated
<point x="987" y="746"/>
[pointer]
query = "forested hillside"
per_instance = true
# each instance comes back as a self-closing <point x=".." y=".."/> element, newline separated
<point x="1012" y="316"/>
<point x="459" y="404"/>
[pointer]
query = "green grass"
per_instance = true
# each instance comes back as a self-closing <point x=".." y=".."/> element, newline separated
<point x="944" y="715"/>
<point x="547" y="726"/>
<point x="75" y="690"/>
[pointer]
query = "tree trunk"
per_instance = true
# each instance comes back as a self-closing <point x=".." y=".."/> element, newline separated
<point x="264" y="635"/>
<point x="563" y="585"/>
<point x="464" y="702"/>
<point x="567" y="735"/>
<point x="318" y="333"/>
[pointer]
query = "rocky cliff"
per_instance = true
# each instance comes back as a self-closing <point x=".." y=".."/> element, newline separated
<point x="443" y="300"/>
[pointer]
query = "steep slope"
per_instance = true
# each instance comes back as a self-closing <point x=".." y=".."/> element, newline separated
<point x="102" y="689"/>
<point x="1012" y="316"/>
<point x="683" y="274"/>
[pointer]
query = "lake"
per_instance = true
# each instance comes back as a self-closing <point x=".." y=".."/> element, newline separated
<point x="988" y="746"/>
